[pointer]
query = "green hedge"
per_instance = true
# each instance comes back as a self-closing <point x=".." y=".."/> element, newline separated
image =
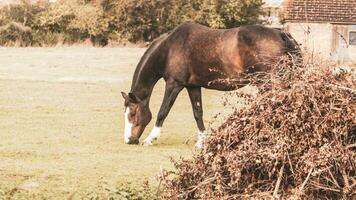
<point x="104" y="21"/>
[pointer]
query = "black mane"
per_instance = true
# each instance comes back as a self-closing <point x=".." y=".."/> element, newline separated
<point x="146" y="57"/>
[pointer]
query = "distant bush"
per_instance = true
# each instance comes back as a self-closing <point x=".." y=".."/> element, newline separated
<point x="76" y="21"/>
<point x="142" y="19"/>
<point x="23" y="13"/>
<point x="225" y="13"/>
<point x="16" y="23"/>
<point x="145" y="19"/>
<point x="15" y="34"/>
<point x="101" y="21"/>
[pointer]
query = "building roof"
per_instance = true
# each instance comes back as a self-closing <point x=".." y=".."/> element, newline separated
<point x="329" y="11"/>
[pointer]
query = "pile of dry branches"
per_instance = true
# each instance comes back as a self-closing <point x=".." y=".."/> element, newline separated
<point x="297" y="140"/>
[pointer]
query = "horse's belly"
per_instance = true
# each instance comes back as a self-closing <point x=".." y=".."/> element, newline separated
<point x="217" y="80"/>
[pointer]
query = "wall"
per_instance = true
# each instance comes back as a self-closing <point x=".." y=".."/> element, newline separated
<point x="329" y="41"/>
<point x="352" y="48"/>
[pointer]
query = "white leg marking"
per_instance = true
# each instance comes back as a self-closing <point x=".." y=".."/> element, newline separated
<point x="155" y="133"/>
<point x="128" y="126"/>
<point x="201" y="139"/>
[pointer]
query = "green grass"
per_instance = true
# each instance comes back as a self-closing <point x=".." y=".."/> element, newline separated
<point x="61" y="124"/>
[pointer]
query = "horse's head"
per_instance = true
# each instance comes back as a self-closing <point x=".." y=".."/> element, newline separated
<point x="137" y="116"/>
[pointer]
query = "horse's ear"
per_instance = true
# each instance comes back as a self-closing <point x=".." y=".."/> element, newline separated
<point x="125" y="96"/>
<point x="133" y="98"/>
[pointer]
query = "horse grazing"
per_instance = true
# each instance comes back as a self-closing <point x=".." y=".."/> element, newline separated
<point x="193" y="56"/>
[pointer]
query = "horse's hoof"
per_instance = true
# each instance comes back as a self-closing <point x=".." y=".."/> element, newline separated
<point x="199" y="145"/>
<point x="147" y="143"/>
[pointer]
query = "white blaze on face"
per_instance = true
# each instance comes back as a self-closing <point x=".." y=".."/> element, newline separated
<point x="128" y="126"/>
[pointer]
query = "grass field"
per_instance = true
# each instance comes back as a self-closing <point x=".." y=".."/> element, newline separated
<point x="61" y="123"/>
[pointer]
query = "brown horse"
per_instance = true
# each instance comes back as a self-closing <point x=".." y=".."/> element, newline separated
<point x="193" y="56"/>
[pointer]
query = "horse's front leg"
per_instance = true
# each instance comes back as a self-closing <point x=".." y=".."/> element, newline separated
<point x="170" y="95"/>
<point x="195" y="99"/>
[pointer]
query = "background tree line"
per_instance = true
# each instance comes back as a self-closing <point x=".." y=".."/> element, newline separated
<point x="115" y="21"/>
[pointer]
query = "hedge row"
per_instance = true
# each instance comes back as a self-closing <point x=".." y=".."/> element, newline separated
<point x="115" y="21"/>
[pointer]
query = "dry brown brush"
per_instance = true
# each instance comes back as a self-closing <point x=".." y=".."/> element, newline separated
<point x="296" y="140"/>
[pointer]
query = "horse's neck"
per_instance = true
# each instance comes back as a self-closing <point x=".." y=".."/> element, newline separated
<point x="144" y="86"/>
<point x="146" y="75"/>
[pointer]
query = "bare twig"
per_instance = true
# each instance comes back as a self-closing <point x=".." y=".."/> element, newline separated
<point x="317" y="185"/>
<point x="160" y="181"/>
<point x="280" y="176"/>
<point x="306" y="180"/>
<point x="334" y="180"/>
<point x="346" y="179"/>
<point x="206" y="181"/>
<point x="343" y="88"/>
<point x="290" y="163"/>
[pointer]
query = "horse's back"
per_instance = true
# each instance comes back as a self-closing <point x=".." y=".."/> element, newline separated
<point x="198" y="55"/>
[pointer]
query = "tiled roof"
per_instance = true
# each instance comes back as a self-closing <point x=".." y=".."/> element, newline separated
<point x="333" y="11"/>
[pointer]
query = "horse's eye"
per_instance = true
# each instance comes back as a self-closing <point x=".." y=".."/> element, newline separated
<point x="133" y="114"/>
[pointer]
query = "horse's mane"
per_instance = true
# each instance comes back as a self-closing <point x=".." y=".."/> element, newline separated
<point x="149" y="52"/>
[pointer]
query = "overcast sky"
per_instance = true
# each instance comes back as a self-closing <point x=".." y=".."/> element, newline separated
<point x="276" y="3"/>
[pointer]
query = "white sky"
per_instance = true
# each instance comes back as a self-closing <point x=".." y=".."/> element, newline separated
<point x="273" y="3"/>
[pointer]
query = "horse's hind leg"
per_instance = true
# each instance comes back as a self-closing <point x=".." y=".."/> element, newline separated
<point x="195" y="99"/>
<point x="170" y="95"/>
